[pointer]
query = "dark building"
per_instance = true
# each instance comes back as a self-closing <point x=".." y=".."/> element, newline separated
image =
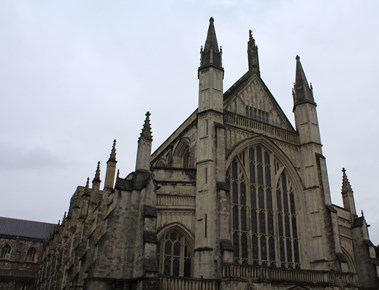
<point x="21" y="247"/>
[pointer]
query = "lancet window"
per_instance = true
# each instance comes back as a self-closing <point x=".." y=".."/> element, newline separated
<point x="174" y="254"/>
<point x="5" y="252"/>
<point x="30" y="255"/>
<point x="263" y="210"/>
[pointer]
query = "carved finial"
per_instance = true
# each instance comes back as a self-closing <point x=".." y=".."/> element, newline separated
<point x="250" y="34"/>
<point x="59" y="222"/>
<point x="252" y="54"/>
<point x="297" y="57"/>
<point x="146" y="130"/>
<point x="86" y="188"/>
<point x="346" y="187"/>
<point x="211" y="19"/>
<point x="118" y="173"/>
<point x="64" y="216"/>
<point x="112" y="156"/>
<point x="97" y="173"/>
<point x="362" y="213"/>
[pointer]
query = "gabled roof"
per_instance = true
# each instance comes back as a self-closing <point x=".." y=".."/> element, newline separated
<point x="242" y="82"/>
<point x="25" y="228"/>
<point x="228" y="95"/>
<point x="236" y="86"/>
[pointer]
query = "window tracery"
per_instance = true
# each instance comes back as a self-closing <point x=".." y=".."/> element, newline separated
<point x="263" y="210"/>
<point x="182" y="157"/>
<point x="174" y="255"/>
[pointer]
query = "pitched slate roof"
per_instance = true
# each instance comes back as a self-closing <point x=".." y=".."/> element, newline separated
<point x="25" y="228"/>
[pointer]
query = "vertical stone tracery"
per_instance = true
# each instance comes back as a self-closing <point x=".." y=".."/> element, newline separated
<point x="175" y="254"/>
<point x="263" y="211"/>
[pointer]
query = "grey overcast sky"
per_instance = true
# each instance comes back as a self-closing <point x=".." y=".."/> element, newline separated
<point x="74" y="75"/>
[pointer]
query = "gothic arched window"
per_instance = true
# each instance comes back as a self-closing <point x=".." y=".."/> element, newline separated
<point x="263" y="213"/>
<point x="5" y="252"/>
<point x="174" y="254"/>
<point x="30" y="255"/>
<point x="181" y="154"/>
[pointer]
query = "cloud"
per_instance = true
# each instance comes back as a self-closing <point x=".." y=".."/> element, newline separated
<point x="23" y="159"/>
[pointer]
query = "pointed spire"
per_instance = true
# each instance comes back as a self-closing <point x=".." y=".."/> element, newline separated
<point x="346" y="187"/>
<point x="211" y="54"/>
<point x="347" y="194"/>
<point x="97" y="174"/>
<point x="252" y="54"/>
<point x="146" y="130"/>
<point x="112" y="157"/>
<point x="86" y="188"/>
<point x="144" y="146"/>
<point x="302" y="92"/>
<point x="111" y="168"/>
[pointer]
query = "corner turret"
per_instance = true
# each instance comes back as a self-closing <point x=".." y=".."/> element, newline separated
<point x="210" y="164"/>
<point x="305" y="108"/>
<point x="211" y="74"/>
<point x="211" y="54"/>
<point x="302" y="91"/>
<point x="313" y="170"/>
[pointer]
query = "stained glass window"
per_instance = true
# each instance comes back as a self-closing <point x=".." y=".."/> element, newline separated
<point x="263" y="212"/>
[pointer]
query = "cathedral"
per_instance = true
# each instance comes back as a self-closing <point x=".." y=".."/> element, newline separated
<point x="236" y="198"/>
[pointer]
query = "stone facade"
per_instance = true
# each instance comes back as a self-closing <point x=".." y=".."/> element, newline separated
<point x="235" y="198"/>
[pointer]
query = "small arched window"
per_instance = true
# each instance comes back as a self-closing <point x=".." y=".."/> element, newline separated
<point x="182" y="156"/>
<point x="30" y="255"/>
<point x="174" y="254"/>
<point x="5" y="252"/>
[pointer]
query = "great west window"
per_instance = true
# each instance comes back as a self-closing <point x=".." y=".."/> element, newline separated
<point x="263" y="210"/>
